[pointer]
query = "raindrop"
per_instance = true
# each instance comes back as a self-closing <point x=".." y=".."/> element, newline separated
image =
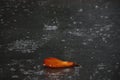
<point x="12" y="69"/>
<point x="109" y="70"/>
<point x="96" y="6"/>
<point x="63" y="40"/>
<point x="15" y="76"/>
<point x="14" y="20"/>
<point x="74" y="22"/>
<point x="80" y="10"/>
<point x="106" y="17"/>
<point x="47" y="27"/>
<point x="84" y="43"/>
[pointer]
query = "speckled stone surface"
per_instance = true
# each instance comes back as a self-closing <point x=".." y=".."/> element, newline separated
<point x="84" y="31"/>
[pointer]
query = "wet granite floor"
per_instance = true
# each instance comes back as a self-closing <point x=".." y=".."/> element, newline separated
<point x="83" y="31"/>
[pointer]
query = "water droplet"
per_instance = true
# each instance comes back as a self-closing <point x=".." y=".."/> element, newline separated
<point x="15" y="76"/>
<point x="47" y="27"/>
<point x="96" y="6"/>
<point x="84" y="43"/>
<point x="63" y="40"/>
<point x="12" y="69"/>
<point x="80" y="10"/>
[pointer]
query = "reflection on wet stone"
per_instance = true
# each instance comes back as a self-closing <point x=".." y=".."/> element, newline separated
<point x="77" y="71"/>
<point x="64" y="74"/>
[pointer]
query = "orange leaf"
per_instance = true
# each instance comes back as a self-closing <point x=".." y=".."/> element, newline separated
<point x="57" y="63"/>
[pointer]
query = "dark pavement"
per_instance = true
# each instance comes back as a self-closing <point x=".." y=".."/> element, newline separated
<point x="84" y="31"/>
